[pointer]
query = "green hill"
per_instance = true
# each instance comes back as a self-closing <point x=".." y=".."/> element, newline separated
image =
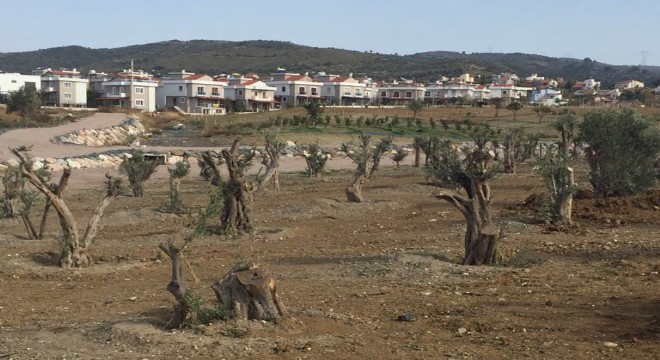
<point x="263" y="57"/>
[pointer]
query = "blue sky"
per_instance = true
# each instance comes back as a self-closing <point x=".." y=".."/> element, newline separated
<point x="610" y="31"/>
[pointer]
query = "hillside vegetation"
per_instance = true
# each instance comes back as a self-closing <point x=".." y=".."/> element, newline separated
<point x="263" y="57"/>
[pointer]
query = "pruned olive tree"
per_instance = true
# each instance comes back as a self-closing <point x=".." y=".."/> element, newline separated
<point x="273" y="149"/>
<point x="565" y="124"/>
<point x="17" y="199"/>
<point x="398" y="155"/>
<point x="518" y="147"/>
<point x="177" y="171"/>
<point x="75" y="248"/>
<point x="365" y="155"/>
<point x="138" y="170"/>
<point x="559" y="178"/>
<point x="239" y="188"/>
<point x="469" y="169"/>
<point x="316" y="158"/>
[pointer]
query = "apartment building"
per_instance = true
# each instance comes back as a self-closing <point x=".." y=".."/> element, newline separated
<point x="250" y="94"/>
<point x="129" y="89"/>
<point x="190" y="93"/>
<point x="62" y="87"/>
<point x="400" y="93"/>
<point x="293" y="89"/>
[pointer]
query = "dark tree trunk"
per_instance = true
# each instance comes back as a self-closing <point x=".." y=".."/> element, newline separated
<point x="482" y="234"/>
<point x="250" y="294"/>
<point x="238" y="190"/>
<point x="417" y="156"/>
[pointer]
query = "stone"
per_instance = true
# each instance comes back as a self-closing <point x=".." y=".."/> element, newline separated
<point x="461" y="331"/>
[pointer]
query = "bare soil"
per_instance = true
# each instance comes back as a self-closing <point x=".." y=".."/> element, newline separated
<point x="346" y="272"/>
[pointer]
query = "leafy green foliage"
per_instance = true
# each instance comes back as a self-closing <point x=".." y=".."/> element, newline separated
<point x="138" y="170"/>
<point x="415" y="106"/>
<point x="552" y="167"/>
<point x="621" y="148"/>
<point x="316" y="159"/>
<point x="514" y="107"/>
<point x="25" y="101"/>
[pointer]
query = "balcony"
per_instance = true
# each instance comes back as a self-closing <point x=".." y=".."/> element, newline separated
<point x="215" y="94"/>
<point x="115" y="96"/>
<point x="48" y="89"/>
<point x="358" y="94"/>
<point x="201" y="93"/>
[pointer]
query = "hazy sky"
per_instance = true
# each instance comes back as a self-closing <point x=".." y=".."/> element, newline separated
<point x="610" y="31"/>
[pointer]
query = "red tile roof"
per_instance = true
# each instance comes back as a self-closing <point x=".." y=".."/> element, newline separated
<point x="250" y="82"/>
<point x="295" y="77"/>
<point x="195" y="77"/>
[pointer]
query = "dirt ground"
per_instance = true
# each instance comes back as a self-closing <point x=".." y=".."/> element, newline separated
<point x="346" y="272"/>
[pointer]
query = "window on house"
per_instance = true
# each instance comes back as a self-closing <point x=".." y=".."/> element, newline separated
<point x="180" y="88"/>
<point x="67" y="96"/>
<point x="139" y="102"/>
<point x="503" y="92"/>
<point x="383" y="93"/>
<point x="200" y="90"/>
<point x="240" y="92"/>
<point x="182" y="100"/>
<point x="284" y="99"/>
<point x="215" y="91"/>
<point x="263" y="94"/>
<point x="314" y="91"/>
<point x="301" y="90"/>
<point x="139" y="90"/>
<point x="283" y="88"/>
<point x="427" y="93"/>
<point x="408" y="94"/>
<point x="67" y="84"/>
<point x="13" y="81"/>
<point x="114" y="90"/>
<point x="395" y="94"/>
<point x="121" y="89"/>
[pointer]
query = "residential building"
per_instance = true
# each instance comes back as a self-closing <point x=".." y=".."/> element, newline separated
<point x="396" y="93"/>
<point x="62" y="87"/>
<point x="10" y="82"/>
<point x="509" y="92"/>
<point x="190" y="93"/>
<point x="250" y="94"/>
<point x="130" y="89"/>
<point x="293" y="89"/>
<point x="629" y="85"/>
<point x="342" y="90"/>
<point x="589" y="84"/>
<point x="546" y="96"/>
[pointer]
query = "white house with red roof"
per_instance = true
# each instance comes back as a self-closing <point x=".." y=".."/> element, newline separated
<point x="293" y="89"/>
<point x="250" y="94"/>
<point x="342" y="90"/>
<point x="62" y="87"/>
<point x="190" y="93"/>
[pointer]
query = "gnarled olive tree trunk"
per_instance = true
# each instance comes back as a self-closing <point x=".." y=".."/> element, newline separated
<point x="75" y="251"/>
<point x="238" y="189"/>
<point x="482" y="234"/>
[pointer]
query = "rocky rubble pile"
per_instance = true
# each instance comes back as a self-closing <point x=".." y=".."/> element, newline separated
<point x="122" y="134"/>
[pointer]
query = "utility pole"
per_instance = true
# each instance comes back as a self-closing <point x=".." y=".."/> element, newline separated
<point x="130" y="96"/>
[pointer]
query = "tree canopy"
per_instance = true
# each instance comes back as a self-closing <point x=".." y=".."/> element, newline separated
<point x="621" y="148"/>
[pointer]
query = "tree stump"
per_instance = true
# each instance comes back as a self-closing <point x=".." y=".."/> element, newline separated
<point x="250" y="294"/>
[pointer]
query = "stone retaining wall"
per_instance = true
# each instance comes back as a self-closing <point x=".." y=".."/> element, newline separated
<point x="122" y="134"/>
